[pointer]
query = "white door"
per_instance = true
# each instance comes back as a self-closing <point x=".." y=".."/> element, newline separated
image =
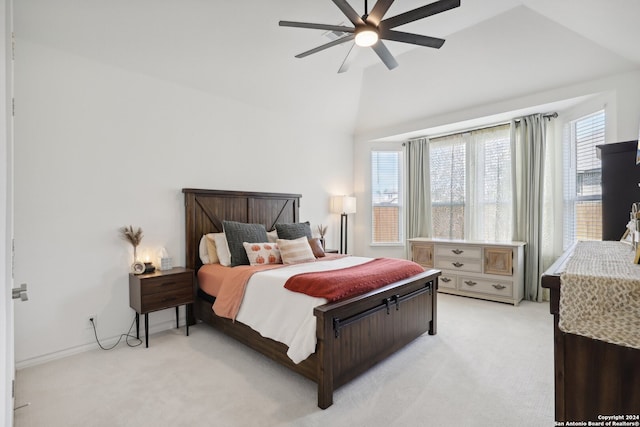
<point x="7" y="364"/>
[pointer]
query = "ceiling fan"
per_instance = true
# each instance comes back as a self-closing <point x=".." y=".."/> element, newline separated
<point x="370" y="29"/>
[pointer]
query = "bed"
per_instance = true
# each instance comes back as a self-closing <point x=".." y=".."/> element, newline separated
<point x="352" y="334"/>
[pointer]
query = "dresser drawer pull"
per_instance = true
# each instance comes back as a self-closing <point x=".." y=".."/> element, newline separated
<point x="445" y="279"/>
<point x="457" y="251"/>
<point x="167" y="283"/>
<point x="457" y="264"/>
<point x="470" y="283"/>
<point x="169" y="299"/>
<point x="499" y="287"/>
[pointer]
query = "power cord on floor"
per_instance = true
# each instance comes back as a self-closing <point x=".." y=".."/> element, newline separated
<point x="126" y="335"/>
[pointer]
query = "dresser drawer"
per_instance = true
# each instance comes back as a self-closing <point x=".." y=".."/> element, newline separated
<point x="168" y="284"/>
<point x="484" y="286"/>
<point x="458" y="251"/>
<point x="447" y="280"/>
<point x="471" y="265"/>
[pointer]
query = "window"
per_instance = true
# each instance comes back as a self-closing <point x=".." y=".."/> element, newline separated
<point x="471" y="185"/>
<point x="582" y="179"/>
<point x="448" y="165"/>
<point x="386" y="197"/>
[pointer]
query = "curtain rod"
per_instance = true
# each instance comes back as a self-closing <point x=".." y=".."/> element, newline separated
<point x="548" y="116"/>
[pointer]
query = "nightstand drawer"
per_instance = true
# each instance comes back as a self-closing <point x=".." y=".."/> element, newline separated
<point x="167" y="299"/>
<point x="167" y="284"/>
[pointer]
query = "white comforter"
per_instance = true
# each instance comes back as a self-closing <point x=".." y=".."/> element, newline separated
<point x="283" y="315"/>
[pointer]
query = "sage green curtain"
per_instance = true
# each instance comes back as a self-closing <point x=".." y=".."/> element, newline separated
<point x="418" y="201"/>
<point x="528" y="145"/>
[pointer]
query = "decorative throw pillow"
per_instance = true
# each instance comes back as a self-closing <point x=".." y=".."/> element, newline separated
<point x="262" y="253"/>
<point x="222" y="249"/>
<point x="295" y="251"/>
<point x="294" y="231"/>
<point x="316" y="247"/>
<point x="239" y="232"/>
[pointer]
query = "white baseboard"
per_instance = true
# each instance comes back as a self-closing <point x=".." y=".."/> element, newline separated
<point x="154" y="328"/>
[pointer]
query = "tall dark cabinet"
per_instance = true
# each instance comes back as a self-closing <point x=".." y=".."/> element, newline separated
<point x="620" y="179"/>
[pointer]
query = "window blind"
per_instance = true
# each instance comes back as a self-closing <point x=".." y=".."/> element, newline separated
<point x="386" y="196"/>
<point x="582" y="178"/>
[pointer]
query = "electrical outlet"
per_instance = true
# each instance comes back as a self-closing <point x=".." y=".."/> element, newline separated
<point x="95" y="321"/>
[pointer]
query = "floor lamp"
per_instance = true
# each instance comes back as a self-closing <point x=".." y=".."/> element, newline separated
<point x="344" y="205"/>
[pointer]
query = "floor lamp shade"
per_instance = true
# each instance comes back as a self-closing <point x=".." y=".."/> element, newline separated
<point x="344" y="205"/>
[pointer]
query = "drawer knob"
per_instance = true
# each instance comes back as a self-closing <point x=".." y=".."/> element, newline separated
<point x="457" y="264"/>
<point x="457" y="251"/>
<point x="470" y="282"/>
<point x="445" y="279"/>
<point x="499" y="287"/>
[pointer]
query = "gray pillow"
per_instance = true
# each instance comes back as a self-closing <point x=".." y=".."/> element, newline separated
<point x="239" y="232"/>
<point x="294" y="231"/>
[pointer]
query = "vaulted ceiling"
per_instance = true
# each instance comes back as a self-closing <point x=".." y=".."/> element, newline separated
<point x="235" y="49"/>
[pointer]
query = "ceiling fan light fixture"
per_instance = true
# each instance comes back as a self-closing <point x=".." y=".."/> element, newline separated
<point x="366" y="36"/>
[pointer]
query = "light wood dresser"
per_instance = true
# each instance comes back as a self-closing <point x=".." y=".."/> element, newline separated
<point x="487" y="270"/>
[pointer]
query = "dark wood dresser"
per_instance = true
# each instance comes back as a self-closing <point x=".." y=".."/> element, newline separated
<point x="620" y="178"/>
<point x="592" y="378"/>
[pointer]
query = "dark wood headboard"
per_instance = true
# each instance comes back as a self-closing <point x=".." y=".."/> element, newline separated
<point x="206" y="209"/>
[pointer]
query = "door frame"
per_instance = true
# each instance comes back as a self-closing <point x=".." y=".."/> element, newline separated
<point x="7" y="359"/>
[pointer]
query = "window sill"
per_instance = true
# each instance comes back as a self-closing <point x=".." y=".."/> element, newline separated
<point x="391" y="244"/>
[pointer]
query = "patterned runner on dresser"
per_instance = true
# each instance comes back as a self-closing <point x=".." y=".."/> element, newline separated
<point x="600" y="293"/>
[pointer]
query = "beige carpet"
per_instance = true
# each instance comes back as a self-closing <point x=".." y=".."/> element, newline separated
<point x="491" y="364"/>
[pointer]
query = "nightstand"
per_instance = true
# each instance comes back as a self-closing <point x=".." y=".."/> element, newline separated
<point x="160" y="290"/>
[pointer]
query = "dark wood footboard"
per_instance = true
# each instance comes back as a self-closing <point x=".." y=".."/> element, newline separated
<point x="355" y="334"/>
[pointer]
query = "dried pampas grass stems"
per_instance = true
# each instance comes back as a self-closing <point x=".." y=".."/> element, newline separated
<point x="132" y="236"/>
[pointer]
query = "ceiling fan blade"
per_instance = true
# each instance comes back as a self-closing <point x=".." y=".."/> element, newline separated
<point x="339" y="28"/>
<point x="378" y="11"/>
<point x="349" y="12"/>
<point x="419" y="13"/>
<point x="348" y="59"/>
<point x="385" y="55"/>
<point x="326" y="46"/>
<point x="399" y="36"/>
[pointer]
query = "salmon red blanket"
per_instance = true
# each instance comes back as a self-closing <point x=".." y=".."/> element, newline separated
<point x="351" y="281"/>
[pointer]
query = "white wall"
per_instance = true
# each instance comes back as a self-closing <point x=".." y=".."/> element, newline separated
<point x="99" y="147"/>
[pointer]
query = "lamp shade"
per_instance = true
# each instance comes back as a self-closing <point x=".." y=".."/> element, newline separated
<point x="343" y="204"/>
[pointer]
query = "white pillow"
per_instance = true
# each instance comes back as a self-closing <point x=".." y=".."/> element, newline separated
<point x="222" y="248"/>
<point x="272" y="236"/>
<point x="262" y="253"/>
<point x="203" y="251"/>
<point x="295" y="251"/>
